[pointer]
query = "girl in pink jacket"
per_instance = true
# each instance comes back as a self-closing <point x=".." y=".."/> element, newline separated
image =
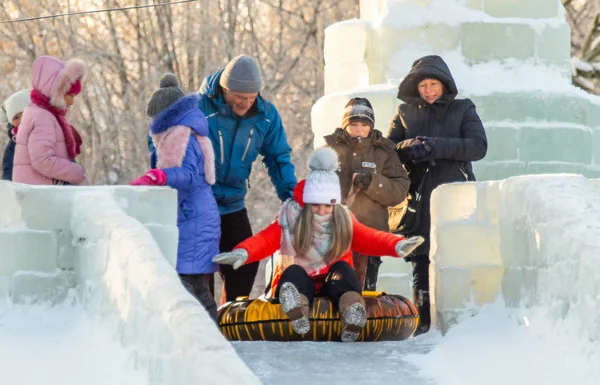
<point x="46" y="143"/>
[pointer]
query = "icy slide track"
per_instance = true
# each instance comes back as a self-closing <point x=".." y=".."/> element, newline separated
<point x="505" y="254"/>
<point x="113" y="248"/>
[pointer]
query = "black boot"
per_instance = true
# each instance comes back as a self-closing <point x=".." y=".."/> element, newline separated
<point x="372" y="273"/>
<point x="421" y="292"/>
<point x="421" y="301"/>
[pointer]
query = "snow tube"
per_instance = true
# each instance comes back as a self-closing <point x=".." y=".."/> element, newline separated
<point x="389" y="318"/>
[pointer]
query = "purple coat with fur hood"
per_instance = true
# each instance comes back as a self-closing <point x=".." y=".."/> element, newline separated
<point x="184" y="152"/>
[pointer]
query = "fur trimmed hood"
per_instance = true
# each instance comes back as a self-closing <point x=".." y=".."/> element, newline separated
<point x="184" y="112"/>
<point x="53" y="78"/>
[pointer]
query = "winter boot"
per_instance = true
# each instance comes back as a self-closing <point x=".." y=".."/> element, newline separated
<point x="353" y="315"/>
<point x="421" y="301"/>
<point x="295" y="306"/>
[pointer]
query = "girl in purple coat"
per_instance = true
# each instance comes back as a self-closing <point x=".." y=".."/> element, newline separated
<point x="184" y="160"/>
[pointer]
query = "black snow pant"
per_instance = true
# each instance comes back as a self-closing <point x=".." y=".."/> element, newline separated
<point x="420" y="264"/>
<point x="199" y="285"/>
<point x="235" y="228"/>
<point x="340" y="279"/>
<point x="372" y="273"/>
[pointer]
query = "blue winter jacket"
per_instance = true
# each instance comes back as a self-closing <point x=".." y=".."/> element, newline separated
<point x="9" y="155"/>
<point x="238" y="142"/>
<point x="198" y="217"/>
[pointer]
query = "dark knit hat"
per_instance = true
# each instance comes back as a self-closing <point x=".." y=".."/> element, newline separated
<point x="242" y="74"/>
<point x="162" y="98"/>
<point x="358" y="110"/>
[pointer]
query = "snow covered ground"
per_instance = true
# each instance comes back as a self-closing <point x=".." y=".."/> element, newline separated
<point x="499" y="346"/>
<point x="61" y="345"/>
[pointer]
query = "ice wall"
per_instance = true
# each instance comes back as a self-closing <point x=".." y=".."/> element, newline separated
<point x="37" y="257"/>
<point x="533" y="240"/>
<point x="511" y="57"/>
<point x="116" y="247"/>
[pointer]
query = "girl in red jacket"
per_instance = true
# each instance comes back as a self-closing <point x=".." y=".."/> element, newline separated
<point x="315" y="237"/>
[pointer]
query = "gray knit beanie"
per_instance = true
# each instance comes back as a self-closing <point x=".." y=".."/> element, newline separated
<point x="162" y="98"/>
<point x="242" y="74"/>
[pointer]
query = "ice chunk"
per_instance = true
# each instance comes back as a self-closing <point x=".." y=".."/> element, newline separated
<point x="553" y="43"/>
<point x="29" y="287"/>
<point x="502" y="142"/>
<point x="402" y="44"/>
<point x="346" y="42"/>
<point x="167" y="238"/>
<point x="511" y="40"/>
<point x="450" y="286"/>
<point x="11" y="205"/>
<point x="66" y="252"/>
<point x="486" y="283"/>
<point x="453" y="202"/>
<point x="520" y="287"/>
<point x="487" y="203"/>
<point x="532" y="9"/>
<point x="554" y="167"/>
<point x="48" y="207"/>
<point x="564" y="107"/>
<point x="497" y="170"/>
<point x="460" y="245"/>
<point x="148" y="204"/>
<point x="562" y="144"/>
<point x="4" y="288"/>
<point x="346" y="76"/>
<point x="23" y="249"/>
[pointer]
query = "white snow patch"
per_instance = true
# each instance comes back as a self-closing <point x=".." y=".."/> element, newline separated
<point x="61" y="345"/>
<point x="498" y="347"/>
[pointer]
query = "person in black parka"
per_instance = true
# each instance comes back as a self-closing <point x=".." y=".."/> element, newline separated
<point x="430" y="105"/>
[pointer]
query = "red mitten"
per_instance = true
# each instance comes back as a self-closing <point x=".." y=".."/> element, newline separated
<point x="155" y="177"/>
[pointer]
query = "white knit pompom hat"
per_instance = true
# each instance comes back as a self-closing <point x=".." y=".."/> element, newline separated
<point x="322" y="183"/>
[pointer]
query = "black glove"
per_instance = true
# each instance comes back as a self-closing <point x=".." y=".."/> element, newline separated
<point x="362" y="180"/>
<point x="421" y="148"/>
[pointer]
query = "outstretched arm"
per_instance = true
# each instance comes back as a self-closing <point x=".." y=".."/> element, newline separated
<point x="368" y="241"/>
<point x="263" y="244"/>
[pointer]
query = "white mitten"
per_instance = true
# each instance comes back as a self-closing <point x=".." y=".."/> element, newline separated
<point x="236" y="258"/>
<point x="407" y="246"/>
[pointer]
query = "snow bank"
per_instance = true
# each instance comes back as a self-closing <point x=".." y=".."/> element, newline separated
<point x="124" y="276"/>
<point x="502" y="346"/>
<point x="533" y="241"/>
<point x="61" y="345"/>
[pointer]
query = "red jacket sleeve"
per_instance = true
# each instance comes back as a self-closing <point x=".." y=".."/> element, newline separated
<point x="368" y="241"/>
<point x="263" y="244"/>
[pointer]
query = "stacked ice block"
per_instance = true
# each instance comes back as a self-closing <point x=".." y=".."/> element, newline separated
<point x="511" y="57"/>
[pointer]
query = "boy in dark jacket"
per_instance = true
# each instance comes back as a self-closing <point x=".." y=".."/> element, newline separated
<point x="10" y="114"/>
<point x="371" y="177"/>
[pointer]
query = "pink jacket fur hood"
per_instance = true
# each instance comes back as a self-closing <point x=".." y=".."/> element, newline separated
<point x="41" y="155"/>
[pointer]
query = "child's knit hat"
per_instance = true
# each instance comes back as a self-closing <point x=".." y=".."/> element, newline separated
<point x="322" y="183"/>
<point x="162" y="98"/>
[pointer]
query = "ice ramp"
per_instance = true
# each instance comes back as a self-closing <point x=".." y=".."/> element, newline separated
<point x="115" y="247"/>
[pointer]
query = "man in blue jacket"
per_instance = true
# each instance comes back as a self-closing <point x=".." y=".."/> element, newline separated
<point x="242" y="125"/>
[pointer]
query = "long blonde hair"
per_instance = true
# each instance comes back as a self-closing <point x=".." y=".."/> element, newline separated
<point x="341" y="237"/>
